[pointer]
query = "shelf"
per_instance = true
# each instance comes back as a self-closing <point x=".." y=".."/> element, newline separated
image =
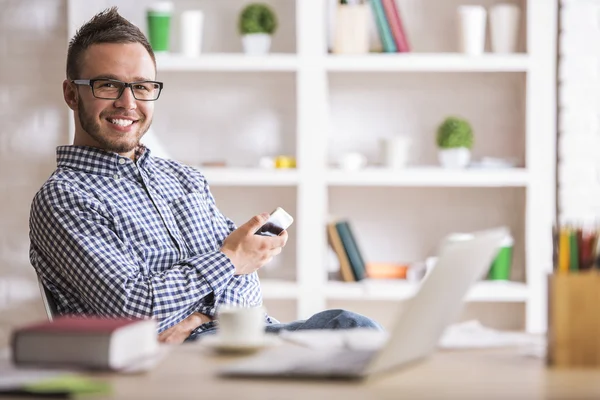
<point x="483" y="291"/>
<point x="498" y="291"/>
<point x="412" y="62"/>
<point x="415" y="62"/>
<point x="232" y="62"/>
<point x="429" y="177"/>
<point x="278" y="289"/>
<point x="249" y="176"/>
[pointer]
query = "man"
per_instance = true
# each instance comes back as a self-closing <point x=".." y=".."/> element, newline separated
<point x="117" y="232"/>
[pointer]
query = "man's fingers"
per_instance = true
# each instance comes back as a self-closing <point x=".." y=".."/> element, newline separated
<point x="255" y="223"/>
<point x="284" y="235"/>
<point x="275" y="242"/>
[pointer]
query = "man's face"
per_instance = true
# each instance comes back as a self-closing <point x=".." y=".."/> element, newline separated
<point x="113" y="125"/>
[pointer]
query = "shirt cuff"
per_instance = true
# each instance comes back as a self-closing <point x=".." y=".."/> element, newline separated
<point x="216" y="269"/>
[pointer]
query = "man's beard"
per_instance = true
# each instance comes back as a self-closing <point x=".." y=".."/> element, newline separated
<point x="117" y="145"/>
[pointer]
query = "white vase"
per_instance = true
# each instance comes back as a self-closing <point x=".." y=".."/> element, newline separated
<point x="454" y="158"/>
<point x="396" y="152"/>
<point x="471" y="29"/>
<point x="256" y="43"/>
<point x="191" y="25"/>
<point x="504" y="27"/>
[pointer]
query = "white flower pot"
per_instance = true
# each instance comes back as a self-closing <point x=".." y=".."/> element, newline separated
<point x="454" y="158"/>
<point x="256" y="43"/>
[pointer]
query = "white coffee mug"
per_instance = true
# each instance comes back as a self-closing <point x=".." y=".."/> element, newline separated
<point x="396" y="151"/>
<point x="239" y="325"/>
<point x="471" y="29"/>
<point x="192" y="22"/>
<point x="353" y="161"/>
<point x="504" y="27"/>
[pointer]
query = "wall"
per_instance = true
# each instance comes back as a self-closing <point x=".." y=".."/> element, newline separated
<point x="33" y="37"/>
<point x="34" y="121"/>
<point x="579" y="115"/>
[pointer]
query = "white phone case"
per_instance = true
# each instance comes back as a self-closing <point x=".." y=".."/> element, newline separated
<point x="278" y="221"/>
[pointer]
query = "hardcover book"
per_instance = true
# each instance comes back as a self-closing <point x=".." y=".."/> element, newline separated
<point x="352" y="250"/>
<point x="85" y="342"/>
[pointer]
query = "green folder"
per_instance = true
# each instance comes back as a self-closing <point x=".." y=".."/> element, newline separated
<point x="383" y="26"/>
<point x="61" y="387"/>
<point x="354" y="256"/>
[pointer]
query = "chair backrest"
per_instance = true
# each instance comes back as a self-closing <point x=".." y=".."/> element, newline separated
<point x="48" y="300"/>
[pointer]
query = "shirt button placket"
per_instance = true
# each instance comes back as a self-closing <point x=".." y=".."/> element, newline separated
<point x="117" y="176"/>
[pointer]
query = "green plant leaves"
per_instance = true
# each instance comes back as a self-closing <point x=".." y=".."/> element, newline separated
<point x="257" y="18"/>
<point x="455" y="132"/>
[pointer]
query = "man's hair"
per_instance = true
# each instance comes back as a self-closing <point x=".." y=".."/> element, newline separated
<point x="105" y="27"/>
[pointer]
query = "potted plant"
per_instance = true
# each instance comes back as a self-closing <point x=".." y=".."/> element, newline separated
<point x="256" y="24"/>
<point x="454" y="140"/>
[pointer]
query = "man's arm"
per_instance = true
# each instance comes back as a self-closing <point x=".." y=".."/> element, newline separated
<point x="75" y="234"/>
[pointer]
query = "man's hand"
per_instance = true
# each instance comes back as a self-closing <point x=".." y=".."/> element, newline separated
<point x="247" y="251"/>
<point x="178" y="333"/>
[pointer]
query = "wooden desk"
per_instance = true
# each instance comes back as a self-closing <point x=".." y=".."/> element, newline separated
<point x="189" y="372"/>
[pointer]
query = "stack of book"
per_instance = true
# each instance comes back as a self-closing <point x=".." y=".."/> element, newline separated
<point x="389" y="26"/>
<point x="353" y="267"/>
<point x="343" y="242"/>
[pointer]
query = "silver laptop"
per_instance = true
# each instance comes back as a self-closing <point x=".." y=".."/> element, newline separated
<point x="416" y="332"/>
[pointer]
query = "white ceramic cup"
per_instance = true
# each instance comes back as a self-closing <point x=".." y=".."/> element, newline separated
<point x="191" y="24"/>
<point x="241" y="325"/>
<point x="471" y="29"/>
<point x="353" y="161"/>
<point x="396" y="151"/>
<point x="504" y="27"/>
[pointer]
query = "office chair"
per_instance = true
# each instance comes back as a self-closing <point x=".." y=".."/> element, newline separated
<point x="48" y="300"/>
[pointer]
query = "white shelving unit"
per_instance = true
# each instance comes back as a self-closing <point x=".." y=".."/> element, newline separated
<point x="279" y="289"/>
<point x="430" y="177"/>
<point x="302" y="101"/>
<point x="368" y="63"/>
<point x="488" y="291"/>
<point x="411" y="62"/>
<point x="228" y="62"/>
<point x="249" y="177"/>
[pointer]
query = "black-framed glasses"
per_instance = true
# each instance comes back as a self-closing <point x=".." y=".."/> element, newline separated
<point x="112" y="89"/>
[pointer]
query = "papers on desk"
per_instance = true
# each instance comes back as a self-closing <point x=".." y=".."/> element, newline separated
<point x="473" y="335"/>
<point x="44" y="382"/>
<point x="61" y="382"/>
<point x="11" y="377"/>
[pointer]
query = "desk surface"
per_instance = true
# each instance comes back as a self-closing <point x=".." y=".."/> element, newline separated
<point x="189" y="371"/>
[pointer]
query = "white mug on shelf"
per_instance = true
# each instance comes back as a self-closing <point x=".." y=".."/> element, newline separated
<point x="352" y="161"/>
<point x="192" y="22"/>
<point x="504" y="27"/>
<point x="471" y="29"/>
<point x="241" y="325"/>
<point x="396" y="151"/>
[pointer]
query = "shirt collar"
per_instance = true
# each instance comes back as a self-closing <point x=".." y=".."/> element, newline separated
<point x="99" y="162"/>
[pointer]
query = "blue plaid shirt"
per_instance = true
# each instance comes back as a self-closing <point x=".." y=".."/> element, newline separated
<point x="114" y="237"/>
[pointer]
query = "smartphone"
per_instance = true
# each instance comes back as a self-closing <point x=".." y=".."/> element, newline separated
<point x="279" y="220"/>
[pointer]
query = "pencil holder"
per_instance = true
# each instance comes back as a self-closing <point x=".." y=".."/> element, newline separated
<point x="574" y="319"/>
<point x="352" y="29"/>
